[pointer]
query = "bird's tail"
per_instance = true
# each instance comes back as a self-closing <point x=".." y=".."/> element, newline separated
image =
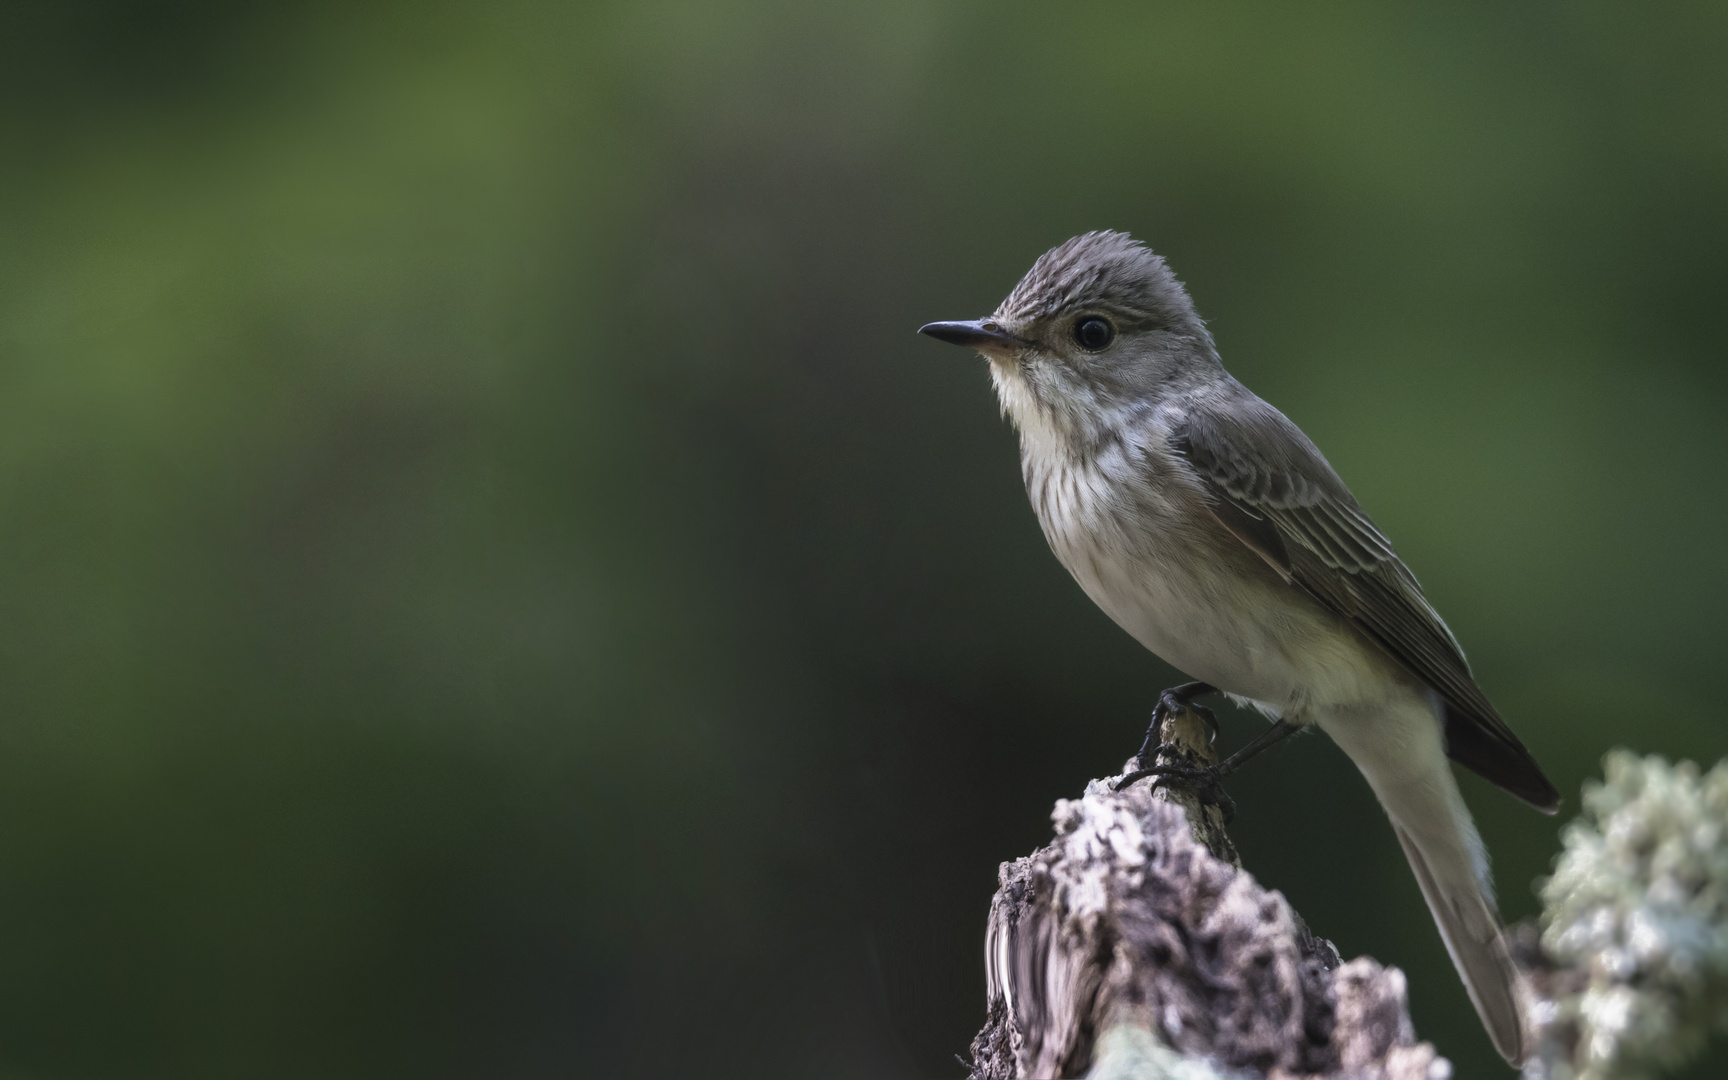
<point x="1417" y="789"/>
<point x="1471" y="930"/>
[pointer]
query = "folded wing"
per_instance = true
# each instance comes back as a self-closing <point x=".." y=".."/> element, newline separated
<point x="1274" y="491"/>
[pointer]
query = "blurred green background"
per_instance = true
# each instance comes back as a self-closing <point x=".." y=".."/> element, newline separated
<point x="491" y="584"/>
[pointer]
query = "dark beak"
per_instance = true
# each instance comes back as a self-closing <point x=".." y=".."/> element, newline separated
<point x="979" y="334"/>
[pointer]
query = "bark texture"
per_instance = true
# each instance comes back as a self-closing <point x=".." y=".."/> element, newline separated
<point x="1134" y="946"/>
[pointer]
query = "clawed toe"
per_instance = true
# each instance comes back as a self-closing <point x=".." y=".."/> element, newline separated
<point x="1170" y="702"/>
<point x="1206" y="782"/>
<point x="1174" y="769"/>
<point x="1170" y="774"/>
<point x="1173" y="701"/>
<point x="1189" y="776"/>
<point x="1146" y="765"/>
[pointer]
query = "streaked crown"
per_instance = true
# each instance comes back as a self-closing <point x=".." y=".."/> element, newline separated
<point x="1102" y="271"/>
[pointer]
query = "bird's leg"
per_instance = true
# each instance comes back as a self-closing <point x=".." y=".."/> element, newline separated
<point x="1278" y="732"/>
<point x="1173" y="700"/>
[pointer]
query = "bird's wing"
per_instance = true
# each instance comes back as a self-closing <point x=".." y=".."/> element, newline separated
<point x="1272" y="488"/>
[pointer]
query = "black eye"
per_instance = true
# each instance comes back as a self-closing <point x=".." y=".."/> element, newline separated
<point x="1094" y="334"/>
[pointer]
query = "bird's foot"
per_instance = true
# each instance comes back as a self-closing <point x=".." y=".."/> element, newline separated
<point x="1206" y="782"/>
<point x="1175" y="700"/>
<point x="1164" y="755"/>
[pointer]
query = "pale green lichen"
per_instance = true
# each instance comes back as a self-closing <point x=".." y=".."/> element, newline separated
<point x="1131" y="1052"/>
<point x="1637" y="910"/>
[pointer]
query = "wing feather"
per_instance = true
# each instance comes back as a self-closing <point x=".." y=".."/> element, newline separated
<point x="1276" y="493"/>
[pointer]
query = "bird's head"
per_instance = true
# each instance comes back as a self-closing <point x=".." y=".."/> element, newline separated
<point x="1098" y="325"/>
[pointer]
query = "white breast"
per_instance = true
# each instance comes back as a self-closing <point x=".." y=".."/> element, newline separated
<point x="1141" y="543"/>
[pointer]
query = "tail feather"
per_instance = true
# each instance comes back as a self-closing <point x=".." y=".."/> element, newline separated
<point x="1471" y="929"/>
<point x="1400" y="752"/>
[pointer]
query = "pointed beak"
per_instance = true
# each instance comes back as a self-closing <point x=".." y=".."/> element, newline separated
<point x="978" y="334"/>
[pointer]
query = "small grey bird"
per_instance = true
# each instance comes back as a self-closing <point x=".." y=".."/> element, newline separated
<point x="1211" y="529"/>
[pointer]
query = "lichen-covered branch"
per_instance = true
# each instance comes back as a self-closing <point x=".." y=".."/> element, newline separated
<point x="1632" y="970"/>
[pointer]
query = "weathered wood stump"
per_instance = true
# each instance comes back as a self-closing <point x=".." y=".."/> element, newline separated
<point x="1135" y="946"/>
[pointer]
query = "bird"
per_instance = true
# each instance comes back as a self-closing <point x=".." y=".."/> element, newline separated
<point x="1211" y="529"/>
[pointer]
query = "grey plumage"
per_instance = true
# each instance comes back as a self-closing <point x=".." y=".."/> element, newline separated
<point x="1208" y="526"/>
<point x="1269" y="482"/>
